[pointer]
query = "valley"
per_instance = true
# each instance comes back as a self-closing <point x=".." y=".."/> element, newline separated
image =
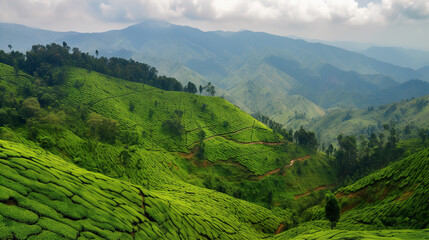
<point x="101" y="147"/>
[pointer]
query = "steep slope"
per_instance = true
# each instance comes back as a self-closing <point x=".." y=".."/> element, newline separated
<point x="412" y="113"/>
<point x="397" y="196"/>
<point x="230" y="60"/>
<point x="42" y="197"/>
<point x="216" y="146"/>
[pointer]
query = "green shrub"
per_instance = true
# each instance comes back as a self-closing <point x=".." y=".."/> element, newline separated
<point x="18" y="214"/>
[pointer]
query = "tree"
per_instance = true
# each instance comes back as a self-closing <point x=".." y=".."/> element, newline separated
<point x="10" y="47"/>
<point x="201" y="89"/>
<point x="30" y="107"/>
<point x="330" y="150"/>
<point x="173" y="126"/>
<point x="210" y="89"/>
<point x="96" y="53"/>
<point x="332" y="210"/>
<point x="105" y="128"/>
<point x="191" y="88"/>
<point x="306" y="139"/>
<point x="423" y="135"/>
<point x="347" y="154"/>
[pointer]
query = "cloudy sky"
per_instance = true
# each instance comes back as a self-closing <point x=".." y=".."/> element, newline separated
<point x="385" y="22"/>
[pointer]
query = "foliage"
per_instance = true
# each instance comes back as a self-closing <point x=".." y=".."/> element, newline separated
<point x="47" y="61"/>
<point x="306" y="138"/>
<point x="332" y="210"/>
<point x="41" y="190"/>
<point x="173" y="126"/>
<point x="277" y="127"/>
<point x="104" y="128"/>
<point x="393" y="196"/>
<point x="190" y="88"/>
<point x="83" y="128"/>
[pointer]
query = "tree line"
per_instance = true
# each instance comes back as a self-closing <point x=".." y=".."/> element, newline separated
<point x="356" y="160"/>
<point x="46" y="62"/>
<point x="301" y="136"/>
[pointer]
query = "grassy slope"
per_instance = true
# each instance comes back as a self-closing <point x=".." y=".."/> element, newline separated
<point x="321" y="230"/>
<point x="154" y="163"/>
<point x="159" y="173"/>
<point x="223" y="144"/>
<point x="355" y="122"/>
<point x="395" y="197"/>
<point x="46" y="197"/>
<point x="266" y="90"/>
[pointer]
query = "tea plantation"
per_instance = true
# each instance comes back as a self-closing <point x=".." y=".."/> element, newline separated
<point x="98" y="157"/>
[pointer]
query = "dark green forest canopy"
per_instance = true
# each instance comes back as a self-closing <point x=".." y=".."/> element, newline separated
<point x="45" y="61"/>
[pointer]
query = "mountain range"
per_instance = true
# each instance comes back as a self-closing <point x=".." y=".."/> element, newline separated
<point x="92" y="156"/>
<point x="290" y="80"/>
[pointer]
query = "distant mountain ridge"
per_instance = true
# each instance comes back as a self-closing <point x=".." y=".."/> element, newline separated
<point x="399" y="56"/>
<point x="282" y="70"/>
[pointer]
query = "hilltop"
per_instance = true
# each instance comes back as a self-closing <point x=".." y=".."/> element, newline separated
<point x="299" y="80"/>
<point x="172" y="144"/>
<point x="408" y="116"/>
<point x="171" y="164"/>
<point x="394" y="197"/>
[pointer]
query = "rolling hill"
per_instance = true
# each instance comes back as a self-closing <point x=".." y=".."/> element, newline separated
<point x="249" y="167"/>
<point x="89" y="155"/>
<point x="411" y="114"/>
<point x="376" y="206"/>
<point x="295" y="77"/>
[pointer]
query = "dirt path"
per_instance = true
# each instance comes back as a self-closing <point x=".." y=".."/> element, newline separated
<point x="222" y="135"/>
<point x="260" y="142"/>
<point x="292" y="162"/>
<point x="187" y="155"/>
<point x="280" y="228"/>
<point x="92" y="103"/>
<point x="314" y="190"/>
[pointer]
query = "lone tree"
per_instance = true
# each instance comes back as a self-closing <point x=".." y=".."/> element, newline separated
<point x="332" y="210"/>
<point x="191" y="88"/>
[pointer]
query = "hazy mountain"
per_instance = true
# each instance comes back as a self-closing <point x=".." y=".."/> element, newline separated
<point x="22" y="38"/>
<point x="399" y="56"/>
<point x="412" y="113"/>
<point x="279" y="76"/>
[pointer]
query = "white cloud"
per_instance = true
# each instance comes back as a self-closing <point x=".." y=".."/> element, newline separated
<point x="290" y="11"/>
<point x="311" y="18"/>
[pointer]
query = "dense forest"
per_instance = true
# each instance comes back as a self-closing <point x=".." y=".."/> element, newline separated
<point x="47" y="61"/>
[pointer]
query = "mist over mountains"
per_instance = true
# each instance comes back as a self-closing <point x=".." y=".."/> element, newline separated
<point x="278" y="76"/>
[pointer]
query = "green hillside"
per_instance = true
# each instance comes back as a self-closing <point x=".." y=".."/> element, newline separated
<point x="290" y="80"/>
<point x="396" y="196"/>
<point x="44" y="197"/>
<point x="174" y="144"/>
<point x="376" y="206"/>
<point x="409" y="114"/>
<point x="88" y="155"/>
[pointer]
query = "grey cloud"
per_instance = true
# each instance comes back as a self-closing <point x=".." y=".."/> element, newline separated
<point x="309" y="18"/>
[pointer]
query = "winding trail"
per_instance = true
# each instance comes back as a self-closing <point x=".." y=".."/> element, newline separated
<point x="280" y="228"/>
<point x="314" y="190"/>
<point x="292" y="162"/>
<point x="222" y="135"/>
